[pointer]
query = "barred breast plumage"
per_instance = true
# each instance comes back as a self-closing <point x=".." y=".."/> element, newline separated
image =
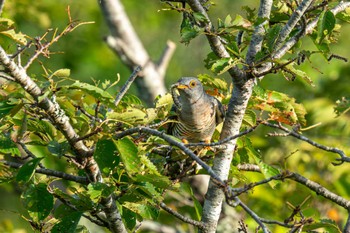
<point x="197" y="112"/>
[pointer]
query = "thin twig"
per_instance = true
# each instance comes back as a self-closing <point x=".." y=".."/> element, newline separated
<point x="185" y="219"/>
<point x="256" y="218"/>
<point x="127" y="85"/>
<point x="293" y="133"/>
<point x="216" y="144"/>
<point x="49" y="172"/>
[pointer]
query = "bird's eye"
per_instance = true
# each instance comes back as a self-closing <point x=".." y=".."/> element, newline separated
<point x="193" y="83"/>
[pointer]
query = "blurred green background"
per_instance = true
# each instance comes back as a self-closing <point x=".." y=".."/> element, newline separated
<point x="88" y="57"/>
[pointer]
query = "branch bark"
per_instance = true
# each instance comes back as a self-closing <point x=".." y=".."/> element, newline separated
<point x="127" y="45"/>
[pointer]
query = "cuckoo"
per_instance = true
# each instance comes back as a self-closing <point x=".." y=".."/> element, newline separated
<point x="197" y="113"/>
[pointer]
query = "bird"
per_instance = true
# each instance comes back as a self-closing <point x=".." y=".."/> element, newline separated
<point x="197" y="113"/>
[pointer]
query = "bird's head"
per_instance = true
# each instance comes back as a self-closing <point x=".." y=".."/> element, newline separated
<point x="190" y="89"/>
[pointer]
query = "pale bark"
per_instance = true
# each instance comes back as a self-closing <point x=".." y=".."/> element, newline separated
<point x="125" y="42"/>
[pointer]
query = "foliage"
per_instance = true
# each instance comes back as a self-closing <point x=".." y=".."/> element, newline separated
<point x="141" y="170"/>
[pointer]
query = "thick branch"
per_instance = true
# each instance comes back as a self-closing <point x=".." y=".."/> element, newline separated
<point x="214" y="40"/>
<point x="259" y="31"/>
<point x="125" y="42"/>
<point x="292" y="22"/>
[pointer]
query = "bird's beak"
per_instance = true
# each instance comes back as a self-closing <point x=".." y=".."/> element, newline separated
<point x="181" y="86"/>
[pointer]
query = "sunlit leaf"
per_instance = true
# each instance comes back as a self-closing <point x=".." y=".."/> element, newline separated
<point x="249" y="118"/>
<point x="61" y="73"/>
<point x="272" y="36"/>
<point x="133" y="116"/>
<point x="222" y="65"/>
<point x="188" y="29"/>
<point x="144" y="210"/>
<point x="158" y="181"/>
<point x="19" y="37"/>
<point x="38" y="201"/>
<point x="26" y="172"/>
<point x="129" y="155"/>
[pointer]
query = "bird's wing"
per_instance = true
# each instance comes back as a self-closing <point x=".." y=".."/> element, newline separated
<point x="219" y="111"/>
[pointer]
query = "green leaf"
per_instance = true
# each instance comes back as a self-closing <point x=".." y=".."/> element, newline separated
<point x="58" y="148"/>
<point x="327" y="225"/>
<point x="6" y="108"/>
<point x="133" y="116"/>
<point x="61" y="73"/>
<point x="150" y="190"/>
<point x="222" y="65"/>
<point x="162" y="182"/>
<point x="129" y="155"/>
<point x="131" y="99"/>
<point x="106" y="155"/>
<point x="266" y="169"/>
<point x="343" y="16"/>
<point x="68" y="223"/>
<point x="96" y="92"/>
<point x="38" y="201"/>
<point x="7" y="146"/>
<point x="144" y="210"/>
<point x="216" y="83"/>
<point x="188" y="30"/>
<point x="130" y="218"/>
<point x="19" y="37"/>
<point x="26" y="172"/>
<point x="249" y="118"/>
<point x="197" y="205"/>
<point x="96" y="191"/>
<point x="299" y="74"/>
<point x="325" y="25"/>
<point x="272" y="36"/>
<point x="199" y="17"/>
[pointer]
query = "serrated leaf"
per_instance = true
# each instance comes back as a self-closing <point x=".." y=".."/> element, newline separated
<point x="199" y="17"/>
<point x="43" y="127"/>
<point x="19" y="37"/>
<point x="106" y="155"/>
<point x="98" y="93"/>
<point x="130" y="218"/>
<point x="249" y="118"/>
<point x="38" y="201"/>
<point x="27" y="170"/>
<point x="134" y="116"/>
<point x="7" y="146"/>
<point x="131" y="99"/>
<point x="150" y="190"/>
<point x="211" y="82"/>
<point x="129" y="155"/>
<point x="299" y="74"/>
<point x="144" y="210"/>
<point x="161" y="182"/>
<point x="68" y="223"/>
<point x="343" y="16"/>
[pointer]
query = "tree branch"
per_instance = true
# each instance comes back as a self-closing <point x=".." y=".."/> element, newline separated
<point x="343" y="157"/>
<point x="127" y="85"/>
<point x="49" y="172"/>
<point x="259" y="31"/>
<point x="292" y="22"/>
<point x="127" y="45"/>
<point x="200" y="225"/>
